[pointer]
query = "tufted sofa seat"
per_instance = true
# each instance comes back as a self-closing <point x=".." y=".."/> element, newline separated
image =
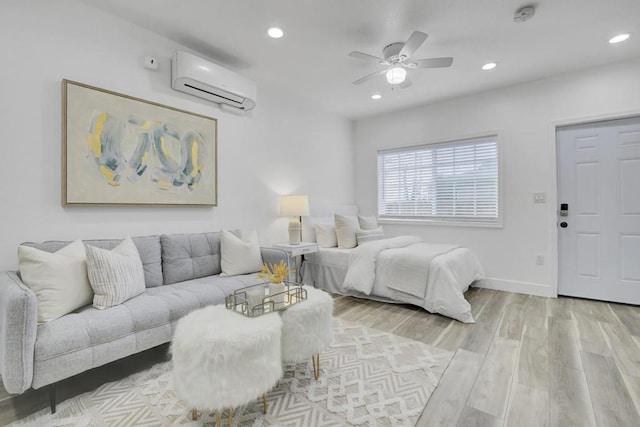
<point x="182" y="274"/>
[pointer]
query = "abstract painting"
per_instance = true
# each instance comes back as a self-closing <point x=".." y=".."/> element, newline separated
<point x="122" y="150"/>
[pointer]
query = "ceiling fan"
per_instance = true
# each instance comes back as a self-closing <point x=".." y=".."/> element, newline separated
<point x="397" y="58"/>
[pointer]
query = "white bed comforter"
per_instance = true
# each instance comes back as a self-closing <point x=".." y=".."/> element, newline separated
<point x="403" y="264"/>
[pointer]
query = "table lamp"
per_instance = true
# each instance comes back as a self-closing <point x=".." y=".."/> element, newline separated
<point x="296" y="206"/>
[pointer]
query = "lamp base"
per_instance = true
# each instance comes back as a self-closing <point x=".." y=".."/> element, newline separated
<point x="294" y="231"/>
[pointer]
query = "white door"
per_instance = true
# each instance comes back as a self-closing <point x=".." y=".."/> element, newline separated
<point x="599" y="239"/>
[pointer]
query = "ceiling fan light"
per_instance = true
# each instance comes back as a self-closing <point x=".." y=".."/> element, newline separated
<point x="489" y="66"/>
<point x="396" y="75"/>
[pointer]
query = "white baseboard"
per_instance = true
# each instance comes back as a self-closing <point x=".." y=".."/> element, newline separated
<point x="528" y="288"/>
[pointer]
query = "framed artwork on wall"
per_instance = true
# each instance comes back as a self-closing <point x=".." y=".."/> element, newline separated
<point x="122" y="150"/>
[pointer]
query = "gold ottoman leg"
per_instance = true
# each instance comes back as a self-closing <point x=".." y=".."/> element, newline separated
<point x="230" y="417"/>
<point x="264" y="403"/>
<point x="218" y="421"/>
<point x="316" y="365"/>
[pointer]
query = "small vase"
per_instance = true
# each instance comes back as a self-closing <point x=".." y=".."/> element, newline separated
<point x="254" y="297"/>
<point x="277" y="288"/>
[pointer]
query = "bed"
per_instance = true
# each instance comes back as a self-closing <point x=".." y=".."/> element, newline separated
<point x="449" y="270"/>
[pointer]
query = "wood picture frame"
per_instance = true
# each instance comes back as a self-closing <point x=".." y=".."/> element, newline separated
<point x="122" y="150"/>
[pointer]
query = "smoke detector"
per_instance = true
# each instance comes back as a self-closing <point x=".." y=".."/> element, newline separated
<point x="524" y="14"/>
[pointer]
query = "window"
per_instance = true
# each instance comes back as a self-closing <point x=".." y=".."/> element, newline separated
<point x="452" y="181"/>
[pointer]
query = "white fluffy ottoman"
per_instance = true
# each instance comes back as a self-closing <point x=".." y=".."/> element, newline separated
<point x="307" y="328"/>
<point x="222" y="359"/>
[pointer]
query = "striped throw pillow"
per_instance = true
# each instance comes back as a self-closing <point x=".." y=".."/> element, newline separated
<point x="115" y="275"/>
<point x="364" y="236"/>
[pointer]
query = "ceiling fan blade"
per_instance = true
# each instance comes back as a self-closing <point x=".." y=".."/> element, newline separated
<point x="366" y="57"/>
<point x="406" y="83"/>
<point x="368" y="77"/>
<point x="434" y="62"/>
<point x="415" y="41"/>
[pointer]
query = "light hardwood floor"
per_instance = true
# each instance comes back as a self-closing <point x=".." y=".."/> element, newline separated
<point x="528" y="361"/>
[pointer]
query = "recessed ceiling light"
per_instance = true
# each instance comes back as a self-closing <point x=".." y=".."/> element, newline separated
<point x="275" y="32"/>
<point x="376" y="96"/>
<point x="489" y="66"/>
<point x="619" y="38"/>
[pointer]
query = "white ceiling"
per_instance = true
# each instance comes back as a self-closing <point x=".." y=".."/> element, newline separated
<point x="311" y="59"/>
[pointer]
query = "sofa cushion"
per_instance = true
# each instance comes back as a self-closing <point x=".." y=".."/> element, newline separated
<point x="189" y="256"/>
<point x="239" y="255"/>
<point x="157" y="307"/>
<point x="148" y="248"/>
<point x="90" y="337"/>
<point x="223" y="286"/>
<point x="58" y="279"/>
<point x="115" y="275"/>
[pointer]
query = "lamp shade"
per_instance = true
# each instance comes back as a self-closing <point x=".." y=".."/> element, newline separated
<point x="294" y="206"/>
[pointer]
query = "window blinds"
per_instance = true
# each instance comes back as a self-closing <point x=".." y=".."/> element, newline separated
<point x="454" y="180"/>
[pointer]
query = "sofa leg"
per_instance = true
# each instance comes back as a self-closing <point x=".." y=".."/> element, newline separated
<point x="52" y="397"/>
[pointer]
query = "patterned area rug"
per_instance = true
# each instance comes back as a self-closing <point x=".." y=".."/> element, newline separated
<point x="368" y="377"/>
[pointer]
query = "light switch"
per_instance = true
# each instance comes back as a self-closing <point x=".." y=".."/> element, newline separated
<point x="539" y="197"/>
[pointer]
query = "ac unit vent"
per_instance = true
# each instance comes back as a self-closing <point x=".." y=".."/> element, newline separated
<point x="204" y="79"/>
<point x="229" y="97"/>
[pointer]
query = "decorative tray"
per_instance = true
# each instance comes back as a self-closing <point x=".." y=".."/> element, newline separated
<point x="264" y="298"/>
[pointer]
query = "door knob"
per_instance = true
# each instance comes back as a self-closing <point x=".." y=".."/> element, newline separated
<point x="563" y="224"/>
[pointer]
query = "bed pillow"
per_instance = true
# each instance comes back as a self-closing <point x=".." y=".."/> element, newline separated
<point x="364" y="236"/>
<point x="59" y="279"/>
<point x="116" y="275"/>
<point x="326" y="236"/>
<point x="367" y="222"/>
<point x="346" y="227"/>
<point x="312" y="221"/>
<point x="239" y="256"/>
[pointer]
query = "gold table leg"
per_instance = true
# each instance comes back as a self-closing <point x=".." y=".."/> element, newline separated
<point x="230" y="417"/>
<point x="264" y="403"/>
<point x="316" y="365"/>
<point x="313" y="361"/>
<point x="194" y="414"/>
<point x="218" y="422"/>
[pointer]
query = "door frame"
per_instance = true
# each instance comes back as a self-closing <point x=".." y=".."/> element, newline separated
<point x="554" y="237"/>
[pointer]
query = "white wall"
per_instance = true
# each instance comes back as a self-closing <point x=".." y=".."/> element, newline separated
<point x="524" y="117"/>
<point x="279" y="150"/>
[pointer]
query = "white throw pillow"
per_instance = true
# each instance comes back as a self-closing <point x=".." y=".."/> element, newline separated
<point x="367" y="222"/>
<point x="346" y="227"/>
<point x="115" y="275"/>
<point x="364" y="236"/>
<point x="326" y="236"/>
<point x="312" y="221"/>
<point x="239" y="256"/>
<point x="58" y="279"/>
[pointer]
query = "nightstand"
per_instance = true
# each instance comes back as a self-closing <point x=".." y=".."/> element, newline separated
<point x="295" y="251"/>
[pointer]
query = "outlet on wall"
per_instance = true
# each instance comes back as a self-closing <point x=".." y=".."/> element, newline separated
<point x="540" y="259"/>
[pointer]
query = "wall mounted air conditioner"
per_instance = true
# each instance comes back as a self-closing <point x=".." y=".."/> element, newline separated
<point x="204" y="79"/>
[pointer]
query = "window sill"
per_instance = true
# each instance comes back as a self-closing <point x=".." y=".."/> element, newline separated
<point x="440" y="222"/>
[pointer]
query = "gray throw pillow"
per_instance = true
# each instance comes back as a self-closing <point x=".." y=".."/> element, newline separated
<point x="115" y="275"/>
